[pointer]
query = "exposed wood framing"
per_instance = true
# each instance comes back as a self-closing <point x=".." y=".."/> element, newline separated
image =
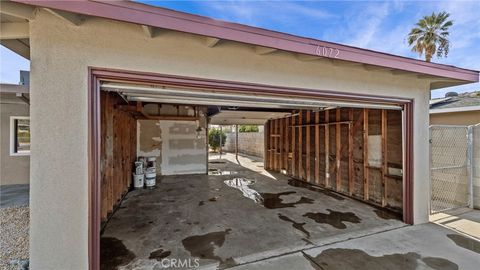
<point x="327" y="150"/>
<point x="384" y="156"/>
<point x="317" y="148"/>
<point x="72" y="18"/>
<point x="338" y="157"/>
<point x="148" y="30"/>
<point x="300" y="146"/>
<point x="18" y="10"/>
<point x="263" y="50"/>
<point x="365" y="155"/>
<point x="296" y="144"/>
<point x="211" y="42"/>
<point x="308" y="147"/>
<point x="350" y="153"/>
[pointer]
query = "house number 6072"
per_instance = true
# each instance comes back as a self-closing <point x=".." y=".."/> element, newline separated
<point x="327" y="52"/>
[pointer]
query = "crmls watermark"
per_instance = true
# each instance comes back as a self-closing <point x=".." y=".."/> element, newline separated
<point x="180" y="263"/>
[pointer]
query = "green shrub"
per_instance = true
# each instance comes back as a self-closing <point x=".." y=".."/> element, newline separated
<point x="214" y="138"/>
<point x="248" y="128"/>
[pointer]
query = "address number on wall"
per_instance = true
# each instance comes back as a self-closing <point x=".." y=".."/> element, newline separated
<point x="327" y="52"/>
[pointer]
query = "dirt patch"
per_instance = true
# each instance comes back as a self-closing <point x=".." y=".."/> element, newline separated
<point x="14" y="237"/>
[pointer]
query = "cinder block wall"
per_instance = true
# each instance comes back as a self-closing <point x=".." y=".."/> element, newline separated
<point x="249" y="143"/>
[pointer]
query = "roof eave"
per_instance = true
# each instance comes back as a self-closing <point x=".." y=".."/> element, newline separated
<point x="179" y="21"/>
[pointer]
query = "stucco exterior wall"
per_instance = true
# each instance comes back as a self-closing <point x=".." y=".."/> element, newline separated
<point x="455" y="118"/>
<point x="13" y="169"/>
<point x="60" y="57"/>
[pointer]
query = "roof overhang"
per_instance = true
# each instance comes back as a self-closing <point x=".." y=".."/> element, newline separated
<point x="15" y="94"/>
<point x="457" y="109"/>
<point x="266" y="41"/>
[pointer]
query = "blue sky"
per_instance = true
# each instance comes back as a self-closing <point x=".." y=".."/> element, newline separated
<point x="376" y="25"/>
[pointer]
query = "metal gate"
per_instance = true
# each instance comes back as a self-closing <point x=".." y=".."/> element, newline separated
<point x="450" y="167"/>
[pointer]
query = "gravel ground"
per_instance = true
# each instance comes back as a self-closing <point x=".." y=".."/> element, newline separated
<point x="14" y="225"/>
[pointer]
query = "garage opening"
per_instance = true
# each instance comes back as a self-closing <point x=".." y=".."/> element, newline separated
<point x="332" y="169"/>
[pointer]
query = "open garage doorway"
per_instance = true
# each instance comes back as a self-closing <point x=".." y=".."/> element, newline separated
<point x="334" y="168"/>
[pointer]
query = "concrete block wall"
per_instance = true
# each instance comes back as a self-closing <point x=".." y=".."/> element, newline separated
<point x="249" y="143"/>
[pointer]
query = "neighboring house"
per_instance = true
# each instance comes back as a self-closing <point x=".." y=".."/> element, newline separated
<point x="104" y="76"/>
<point x="15" y="133"/>
<point x="456" y="109"/>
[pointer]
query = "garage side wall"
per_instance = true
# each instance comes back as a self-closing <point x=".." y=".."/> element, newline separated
<point x="60" y="56"/>
<point x="356" y="152"/>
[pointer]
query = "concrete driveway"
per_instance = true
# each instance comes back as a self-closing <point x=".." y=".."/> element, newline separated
<point x="427" y="246"/>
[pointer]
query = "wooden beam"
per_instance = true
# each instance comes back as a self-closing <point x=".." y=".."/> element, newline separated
<point x="14" y="30"/>
<point x="275" y="144"/>
<point x="280" y="142"/>
<point x="300" y="146"/>
<point x="293" y="138"/>
<point x="285" y="141"/>
<point x="365" y="155"/>
<point x="23" y="97"/>
<point x="263" y="50"/>
<point x="170" y="117"/>
<point x="148" y="30"/>
<point x="18" y="10"/>
<point x="338" y="158"/>
<point x="71" y="18"/>
<point x="307" y="148"/>
<point x="272" y="156"/>
<point x="211" y="42"/>
<point x="327" y="150"/>
<point x="20" y="47"/>
<point x="317" y="148"/>
<point x="384" y="157"/>
<point x="350" y="153"/>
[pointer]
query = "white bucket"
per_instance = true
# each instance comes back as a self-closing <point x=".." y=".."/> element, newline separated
<point x="138" y="180"/>
<point x="151" y="162"/>
<point x="138" y="167"/>
<point x="150" y="179"/>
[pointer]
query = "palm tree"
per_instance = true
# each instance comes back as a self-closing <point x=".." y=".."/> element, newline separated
<point x="430" y="36"/>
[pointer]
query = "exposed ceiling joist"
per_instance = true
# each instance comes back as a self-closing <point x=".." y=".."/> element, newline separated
<point x="18" y="46"/>
<point x="17" y="10"/>
<point x="71" y="18"/>
<point x="14" y="30"/>
<point x="263" y="50"/>
<point x="23" y="97"/>
<point x="211" y="42"/>
<point x="148" y="30"/>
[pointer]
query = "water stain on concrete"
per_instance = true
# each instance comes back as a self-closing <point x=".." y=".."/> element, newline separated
<point x="386" y="214"/>
<point x="213" y="199"/>
<point x="220" y="172"/>
<point x="113" y="253"/>
<point x="297" y="183"/>
<point x="273" y="200"/>
<point x="296" y="225"/>
<point x="243" y="185"/>
<point x="159" y="254"/>
<point x="334" y="218"/>
<point x="217" y="162"/>
<point x="203" y="246"/>
<point x="465" y="242"/>
<point x="200" y="203"/>
<point x="268" y="200"/>
<point x="355" y="259"/>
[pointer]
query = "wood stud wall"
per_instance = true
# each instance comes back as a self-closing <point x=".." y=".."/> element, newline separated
<point x="330" y="149"/>
<point x="117" y="151"/>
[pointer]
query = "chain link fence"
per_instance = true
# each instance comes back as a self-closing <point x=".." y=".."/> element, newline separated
<point x="450" y="167"/>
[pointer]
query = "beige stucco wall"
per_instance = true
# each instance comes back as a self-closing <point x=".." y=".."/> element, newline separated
<point x="455" y="118"/>
<point x="61" y="54"/>
<point x="13" y="169"/>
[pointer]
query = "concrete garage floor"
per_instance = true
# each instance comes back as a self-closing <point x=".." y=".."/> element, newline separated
<point x="201" y="217"/>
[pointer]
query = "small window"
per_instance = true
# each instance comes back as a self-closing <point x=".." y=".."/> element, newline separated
<point x="19" y="135"/>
